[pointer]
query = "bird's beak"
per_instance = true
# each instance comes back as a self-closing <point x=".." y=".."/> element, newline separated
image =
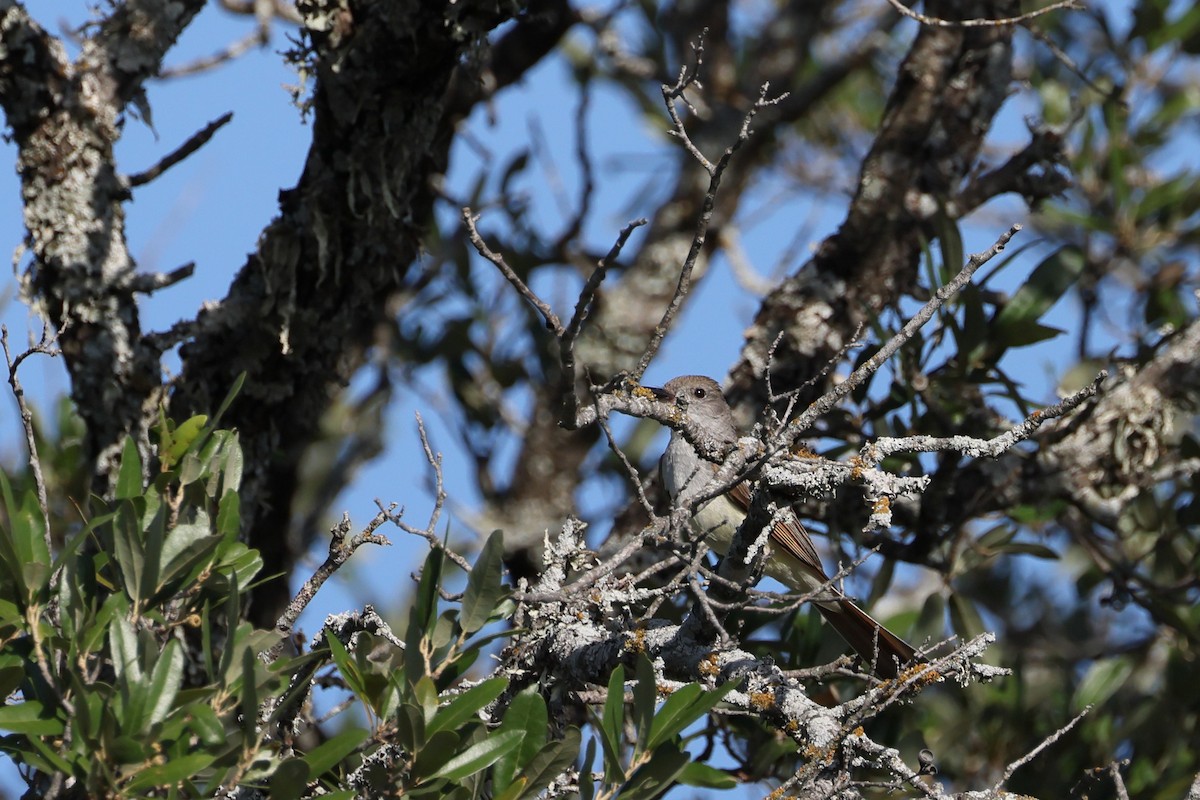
<point x="660" y="394"/>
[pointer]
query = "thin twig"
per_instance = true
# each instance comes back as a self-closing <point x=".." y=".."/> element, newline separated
<point x="630" y="469"/>
<point x="587" y="179"/>
<point x="937" y="22"/>
<point x="716" y="172"/>
<point x="1114" y="770"/>
<point x="150" y="283"/>
<point x="1064" y="59"/>
<point x="874" y="452"/>
<point x="429" y="532"/>
<point x="340" y="551"/>
<point x="687" y="78"/>
<point x="868" y="367"/>
<point x="790" y="394"/>
<point x="1032" y="754"/>
<point x="552" y="320"/>
<point x="583" y="306"/>
<point x="194" y="143"/>
<point x="43" y="347"/>
<point x="238" y="48"/>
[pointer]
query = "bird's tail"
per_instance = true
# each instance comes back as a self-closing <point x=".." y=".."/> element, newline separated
<point x="883" y="650"/>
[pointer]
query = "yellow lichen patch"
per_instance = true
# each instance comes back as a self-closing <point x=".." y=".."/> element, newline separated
<point x="816" y="754"/>
<point x="856" y="468"/>
<point x="643" y="392"/>
<point x="709" y="666"/>
<point x="802" y="451"/>
<point x="883" y="505"/>
<point x="636" y="643"/>
<point x="925" y="674"/>
<point x="762" y="701"/>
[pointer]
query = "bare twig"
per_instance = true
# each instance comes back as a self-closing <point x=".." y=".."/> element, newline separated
<point x="743" y="271"/>
<point x="583" y="306"/>
<point x="43" y="347"/>
<point x="194" y="143"/>
<point x="1112" y="92"/>
<point x="875" y="452"/>
<point x="587" y="179"/>
<point x="630" y="469"/>
<point x="553" y="323"/>
<point x="1032" y="754"/>
<point x="429" y="532"/>
<point x="148" y="284"/>
<point x="1114" y="770"/>
<point x="258" y="37"/>
<point x="716" y="172"/>
<point x="687" y="78"/>
<point x="340" y="550"/>
<point x="937" y="22"/>
<point x="790" y="394"/>
<point x="868" y="367"/>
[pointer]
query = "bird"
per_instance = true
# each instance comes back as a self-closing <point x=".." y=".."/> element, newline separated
<point x="791" y="559"/>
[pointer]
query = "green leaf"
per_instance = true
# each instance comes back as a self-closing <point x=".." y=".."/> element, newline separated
<point x="154" y="536"/>
<point x="249" y="698"/>
<point x="683" y="708"/>
<point x="548" y="763"/>
<point x="410" y="727"/>
<point x="611" y="726"/>
<point x="123" y="640"/>
<point x="11" y="535"/>
<point x="171" y="773"/>
<point x="654" y="778"/>
<point x="467" y="704"/>
<point x="206" y="724"/>
<point x="484" y="588"/>
<point x="182" y="438"/>
<point x="587" y="788"/>
<point x="229" y="516"/>
<point x="233" y="464"/>
<point x="290" y="780"/>
<point x="645" y="696"/>
<point x="1046" y="284"/>
<point x="29" y="718"/>
<point x="526" y="712"/>
<point x="329" y="754"/>
<point x="234" y="389"/>
<point x="480" y="756"/>
<point x="129" y="476"/>
<point x="1024" y="335"/>
<point x="437" y="750"/>
<point x="185" y="566"/>
<point x="165" y="681"/>
<point x="964" y="617"/>
<point x="345" y="664"/>
<point x="1029" y="549"/>
<point x="696" y="773"/>
<point x="1103" y="679"/>
<point x="127" y="541"/>
<point x="949" y="242"/>
<point x="50" y="760"/>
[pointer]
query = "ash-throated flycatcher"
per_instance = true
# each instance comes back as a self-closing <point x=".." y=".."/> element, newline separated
<point x="791" y="558"/>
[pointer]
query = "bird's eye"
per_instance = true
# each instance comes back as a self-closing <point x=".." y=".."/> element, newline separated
<point x="699" y="393"/>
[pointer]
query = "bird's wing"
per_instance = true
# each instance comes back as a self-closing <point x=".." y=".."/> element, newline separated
<point x="787" y="534"/>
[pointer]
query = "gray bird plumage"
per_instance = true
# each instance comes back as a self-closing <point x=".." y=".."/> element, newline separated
<point x="792" y="560"/>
